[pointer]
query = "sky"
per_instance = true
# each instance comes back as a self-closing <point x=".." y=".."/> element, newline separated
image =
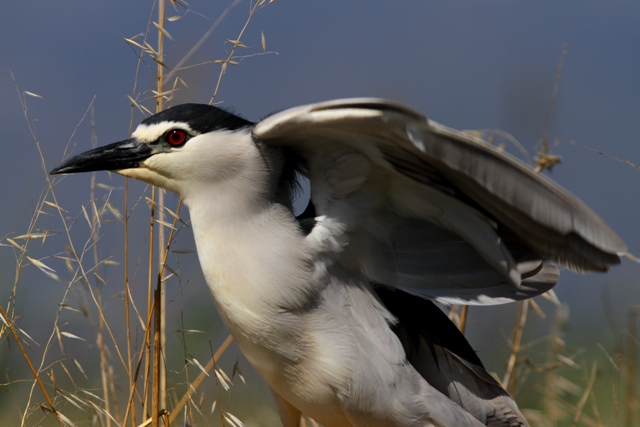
<point x="465" y="64"/>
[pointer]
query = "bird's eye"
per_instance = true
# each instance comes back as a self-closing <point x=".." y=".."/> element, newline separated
<point x="176" y="137"/>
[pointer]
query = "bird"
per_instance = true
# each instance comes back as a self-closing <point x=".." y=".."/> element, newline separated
<point x="337" y="308"/>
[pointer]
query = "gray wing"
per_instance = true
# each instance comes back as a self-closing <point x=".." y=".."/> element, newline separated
<point x="434" y="211"/>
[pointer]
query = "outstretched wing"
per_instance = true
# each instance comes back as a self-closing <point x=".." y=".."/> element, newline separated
<point x="434" y="211"/>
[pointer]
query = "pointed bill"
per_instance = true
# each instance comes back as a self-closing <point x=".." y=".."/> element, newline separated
<point x="120" y="155"/>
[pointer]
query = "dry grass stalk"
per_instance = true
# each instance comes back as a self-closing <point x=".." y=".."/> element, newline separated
<point x="509" y="380"/>
<point x="91" y="280"/>
<point x="463" y="318"/>
<point x="36" y="375"/>
<point x="545" y="159"/>
<point x="159" y="337"/>
<point x="196" y="383"/>
<point x="237" y="43"/>
<point x="585" y="395"/>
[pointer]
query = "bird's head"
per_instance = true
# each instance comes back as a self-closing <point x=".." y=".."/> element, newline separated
<point x="179" y="149"/>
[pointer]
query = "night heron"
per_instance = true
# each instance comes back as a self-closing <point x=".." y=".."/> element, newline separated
<point x="334" y="308"/>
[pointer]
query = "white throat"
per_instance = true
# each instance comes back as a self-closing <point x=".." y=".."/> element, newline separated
<point x="251" y="253"/>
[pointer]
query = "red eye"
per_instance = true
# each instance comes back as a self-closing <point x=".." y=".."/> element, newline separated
<point x="176" y="137"/>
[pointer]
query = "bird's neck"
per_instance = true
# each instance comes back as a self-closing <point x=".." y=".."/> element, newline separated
<point x="250" y="252"/>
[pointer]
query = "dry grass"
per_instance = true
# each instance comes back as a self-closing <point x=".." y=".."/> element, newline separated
<point x="74" y="388"/>
<point x="123" y="379"/>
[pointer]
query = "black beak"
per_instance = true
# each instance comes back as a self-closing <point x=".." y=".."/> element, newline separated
<point x="120" y="155"/>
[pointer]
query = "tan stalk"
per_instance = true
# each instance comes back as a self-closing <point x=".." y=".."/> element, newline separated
<point x="585" y="395"/>
<point x="159" y="336"/>
<point x="258" y="4"/>
<point x="509" y="379"/>
<point x="127" y="290"/>
<point x="81" y="269"/>
<point x="554" y="95"/>
<point x="463" y="318"/>
<point x="161" y="269"/>
<point x="104" y="364"/>
<point x="133" y="379"/>
<point x="9" y="324"/>
<point x="150" y="305"/>
<point x="194" y="385"/>
<point x="544" y="158"/>
<point x="179" y="65"/>
<point x="151" y="302"/>
<point x="7" y="321"/>
<point x="134" y="374"/>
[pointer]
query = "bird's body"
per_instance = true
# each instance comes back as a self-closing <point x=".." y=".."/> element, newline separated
<point x="308" y="328"/>
<point x="332" y="316"/>
<point x="302" y="319"/>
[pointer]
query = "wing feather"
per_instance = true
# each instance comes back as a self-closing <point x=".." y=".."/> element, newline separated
<point x="435" y="211"/>
<point x="441" y="354"/>
<point x="536" y="208"/>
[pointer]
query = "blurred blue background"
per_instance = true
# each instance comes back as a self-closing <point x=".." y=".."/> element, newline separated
<point x="466" y="64"/>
